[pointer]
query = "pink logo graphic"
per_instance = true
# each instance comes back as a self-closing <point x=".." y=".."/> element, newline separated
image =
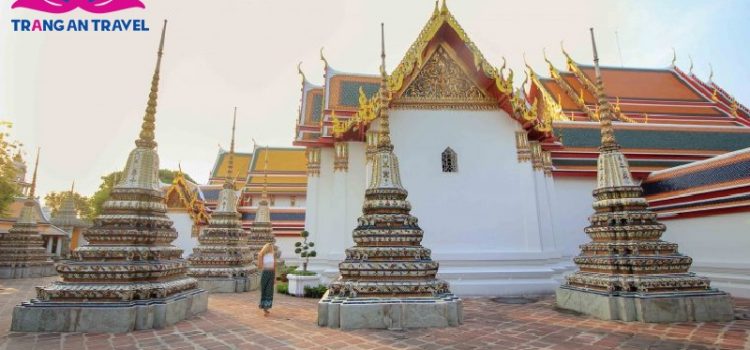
<point x="62" y="6"/>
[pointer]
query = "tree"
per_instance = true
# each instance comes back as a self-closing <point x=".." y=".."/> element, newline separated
<point x="8" y="187"/>
<point x="303" y="249"/>
<point x="102" y="194"/>
<point x="54" y="201"/>
<point x="167" y="176"/>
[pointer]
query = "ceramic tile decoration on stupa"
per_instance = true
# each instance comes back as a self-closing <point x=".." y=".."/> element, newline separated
<point x="223" y="260"/>
<point x="388" y="279"/>
<point x="22" y="252"/>
<point x="129" y="276"/>
<point x="262" y="231"/>
<point x="627" y="272"/>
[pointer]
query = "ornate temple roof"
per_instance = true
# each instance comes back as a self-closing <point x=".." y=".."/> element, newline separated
<point x="287" y="171"/>
<point x="186" y="195"/>
<point x="342" y="107"/>
<point x="639" y="95"/>
<point x="46" y="228"/>
<point x="713" y="186"/>
<point x="219" y="170"/>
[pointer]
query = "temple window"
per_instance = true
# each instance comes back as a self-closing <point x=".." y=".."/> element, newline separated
<point x="293" y="201"/>
<point x="450" y="161"/>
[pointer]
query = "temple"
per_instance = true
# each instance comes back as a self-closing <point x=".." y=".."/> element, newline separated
<point x="282" y="172"/>
<point x="186" y="207"/>
<point x="223" y="261"/>
<point x="54" y="238"/>
<point x="500" y="175"/>
<point x="22" y="253"/>
<point x="67" y="219"/>
<point x="627" y="272"/>
<point x="128" y="276"/>
<point x="388" y="279"/>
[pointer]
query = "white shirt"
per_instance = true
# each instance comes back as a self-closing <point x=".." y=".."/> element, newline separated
<point x="268" y="261"/>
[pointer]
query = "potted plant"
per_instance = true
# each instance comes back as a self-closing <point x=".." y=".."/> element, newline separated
<point x="299" y="279"/>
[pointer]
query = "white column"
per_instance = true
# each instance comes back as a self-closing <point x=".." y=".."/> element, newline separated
<point x="58" y="252"/>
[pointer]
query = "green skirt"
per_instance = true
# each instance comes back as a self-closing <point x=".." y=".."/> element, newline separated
<point x="266" y="289"/>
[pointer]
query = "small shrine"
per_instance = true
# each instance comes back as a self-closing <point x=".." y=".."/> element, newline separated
<point x="128" y="276"/>
<point x="627" y="272"/>
<point x="223" y="260"/>
<point x="22" y="252"/>
<point x="388" y="279"/>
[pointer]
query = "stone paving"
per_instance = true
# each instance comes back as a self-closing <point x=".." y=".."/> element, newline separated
<point x="234" y="322"/>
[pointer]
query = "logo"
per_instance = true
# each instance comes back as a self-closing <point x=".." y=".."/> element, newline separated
<point x="78" y="25"/>
<point x="63" y="6"/>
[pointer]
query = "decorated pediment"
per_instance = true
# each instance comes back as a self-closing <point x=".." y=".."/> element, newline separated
<point x="442" y="82"/>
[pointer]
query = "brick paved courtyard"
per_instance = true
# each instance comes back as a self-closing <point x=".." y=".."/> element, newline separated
<point x="234" y="322"/>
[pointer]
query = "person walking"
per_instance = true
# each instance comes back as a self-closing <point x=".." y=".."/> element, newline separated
<point x="267" y="263"/>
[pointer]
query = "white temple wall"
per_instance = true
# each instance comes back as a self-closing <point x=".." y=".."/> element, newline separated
<point x="573" y="202"/>
<point x="355" y="191"/>
<point x="325" y="233"/>
<point x="184" y="226"/>
<point x="286" y="245"/>
<point x="489" y="224"/>
<point x="485" y="210"/>
<point x="719" y="246"/>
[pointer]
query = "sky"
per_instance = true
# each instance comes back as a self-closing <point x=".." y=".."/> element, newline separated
<point x="80" y="96"/>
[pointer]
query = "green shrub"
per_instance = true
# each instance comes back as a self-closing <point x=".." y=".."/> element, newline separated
<point x="302" y="273"/>
<point x="304" y="249"/>
<point x="315" y="292"/>
<point x="283" y="270"/>
<point x="282" y="288"/>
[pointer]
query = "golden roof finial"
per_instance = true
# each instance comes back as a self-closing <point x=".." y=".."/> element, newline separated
<point x="444" y="8"/>
<point x="299" y="70"/>
<point x="502" y="68"/>
<point x="323" y="58"/>
<point x="605" y="109"/>
<point x="437" y="11"/>
<point x="33" y="177"/>
<point x="711" y="74"/>
<point x="674" y="57"/>
<point x="526" y="63"/>
<point x="690" y="71"/>
<point x="73" y="187"/>
<point x="146" y="138"/>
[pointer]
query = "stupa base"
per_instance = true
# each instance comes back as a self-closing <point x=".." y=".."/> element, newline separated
<point x="711" y="306"/>
<point x="12" y="272"/>
<point x="229" y="285"/>
<point x="390" y="313"/>
<point x="107" y="317"/>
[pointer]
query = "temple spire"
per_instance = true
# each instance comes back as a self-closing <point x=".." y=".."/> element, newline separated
<point x="230" y="162"/>
<point x="384" y="139"/>
<point x="146" y="137"/>
<point x="605" y="109"/>
<point x="265" y="176"/>
<point x="32" y="190"/>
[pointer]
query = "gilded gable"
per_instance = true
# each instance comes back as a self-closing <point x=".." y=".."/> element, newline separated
<point x="442" y="83"/>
